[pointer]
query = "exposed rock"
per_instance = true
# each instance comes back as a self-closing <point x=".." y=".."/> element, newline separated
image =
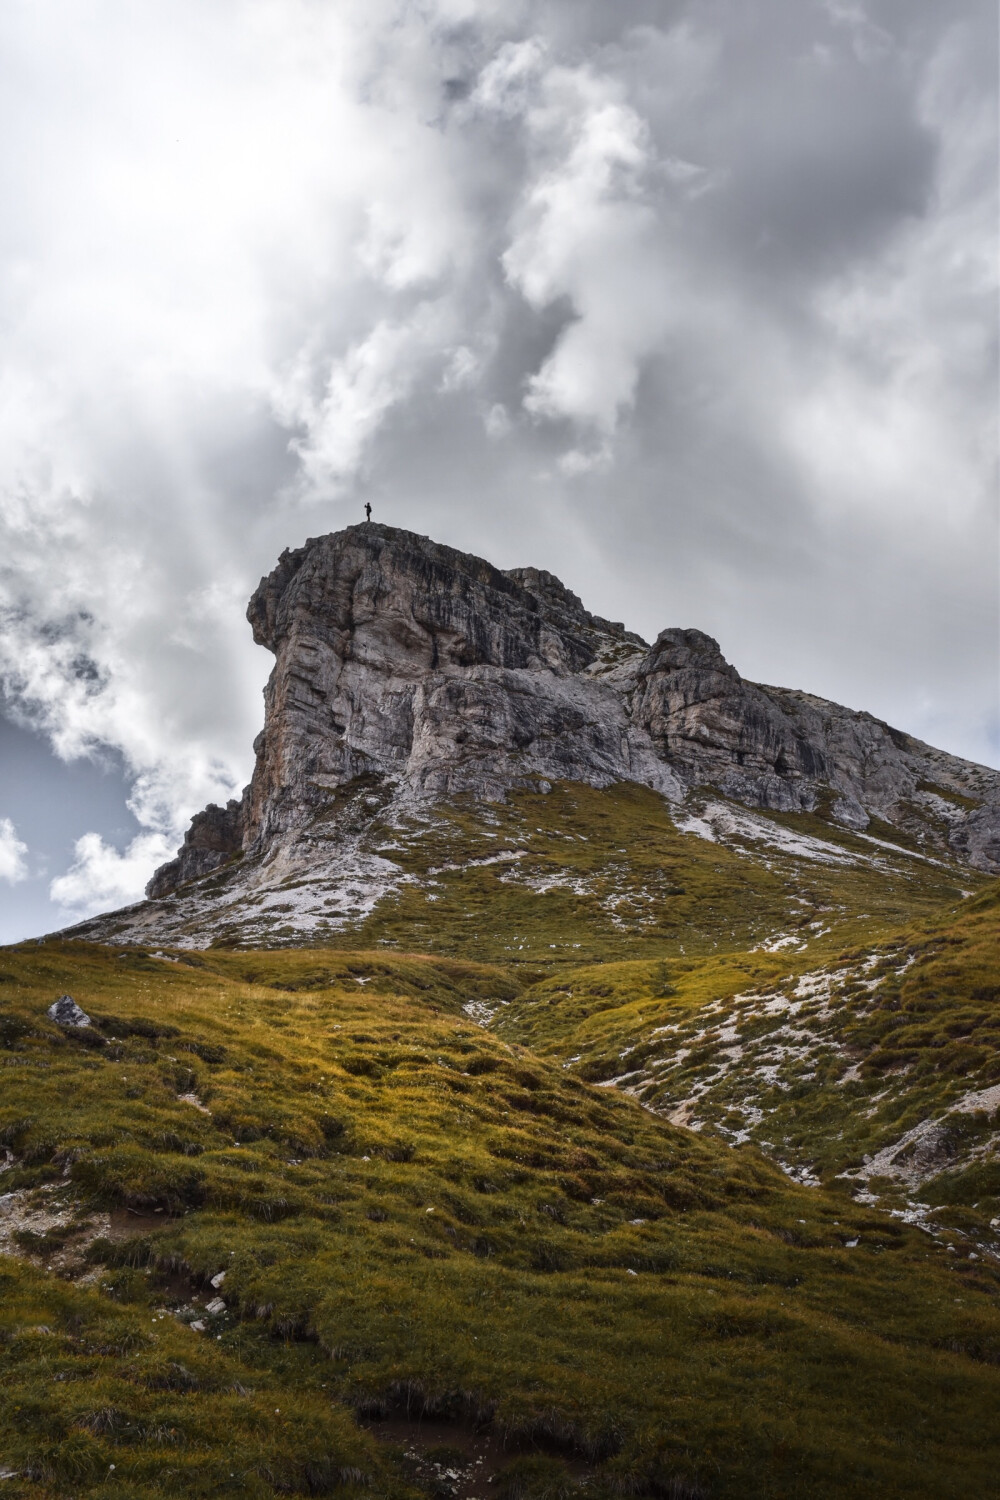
<point x="214" y="837"/>
<point x="400" y="658"/>
<point x="716" y="729"/>
<point x="776" y="748"/>
<point x="405" y="659"/>
<point x="66" y="1012"/>
<point x="406" y="672"/>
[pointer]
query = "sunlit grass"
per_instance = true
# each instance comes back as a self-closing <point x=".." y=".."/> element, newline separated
<point x="594" y="876"/>
<point x="410" y="1209"/>
<point x="882" y="1037"/>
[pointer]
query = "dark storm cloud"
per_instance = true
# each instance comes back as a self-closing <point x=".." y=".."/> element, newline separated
<point x="693" y="304"/>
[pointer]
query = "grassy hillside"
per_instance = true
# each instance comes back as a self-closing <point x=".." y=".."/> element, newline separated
<point x="878" y="1068"/>
<point x="416" y="1216"/>
<point x="578" y="874"/>
<point x="595" y="875"/>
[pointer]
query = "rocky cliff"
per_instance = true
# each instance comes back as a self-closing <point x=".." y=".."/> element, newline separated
<point x="414" y="685"/>
<point x="214" y="837"/>
<point x="433" y="674"/>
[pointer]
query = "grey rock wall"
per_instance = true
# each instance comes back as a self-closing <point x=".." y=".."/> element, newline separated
<point x="215" y="836"/>
<point x="435" y="673"/>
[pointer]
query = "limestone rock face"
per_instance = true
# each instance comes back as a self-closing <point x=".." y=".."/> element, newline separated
<point x="214" y="837"/>
<point x="429" y="673"/>
<point x="715" y="728"/>
<point x="396" y="657"/>
<point x="775" y="748"/>
<point x="66" y="1012"/>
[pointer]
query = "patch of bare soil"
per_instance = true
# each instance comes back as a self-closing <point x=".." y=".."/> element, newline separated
<point x="50" y="1227"/>
<point x="453" y="1460"/>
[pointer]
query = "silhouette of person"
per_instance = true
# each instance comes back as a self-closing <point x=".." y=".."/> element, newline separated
<point x="368" y="511"/>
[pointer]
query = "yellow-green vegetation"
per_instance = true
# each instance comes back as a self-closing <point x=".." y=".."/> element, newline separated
<point x="597" y="875"/>
<point x="827" y="1067"/>
<point x="403" y="1212"/>
<point x="578" y="873"/>
<point x="105" y="1395"/>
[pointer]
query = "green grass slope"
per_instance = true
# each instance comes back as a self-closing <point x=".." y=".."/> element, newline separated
<point x="585" y="875"/>
<point x="877" y="1068"/>
<point x="403" y="1213"/>
<point x="579" y="874"/>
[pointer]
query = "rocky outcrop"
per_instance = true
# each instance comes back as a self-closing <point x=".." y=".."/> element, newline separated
<point x="775" y="748"/>
<point x="400" y="658"/>
<point x="718" y="730"/>
<point x="66" y="1012"/>
<point x="214" y="838"/>
<point x="406" y="665"/>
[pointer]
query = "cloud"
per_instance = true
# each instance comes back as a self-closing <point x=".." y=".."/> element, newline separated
<point x="868" y="40"/>
<point x="583" y="229"/>
<point x="100" y="879"/>
<point x="362" y="386"/>
<point x="698" y="313"/>
<point x="13" y="854"/>
<point x="910" y="335"/>
<point x="221" y="280"/>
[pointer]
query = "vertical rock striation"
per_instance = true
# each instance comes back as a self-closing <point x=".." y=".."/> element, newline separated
<point x="432" y="673"/>
<point x="214" y="838"/>
<point x="400" y="658"/>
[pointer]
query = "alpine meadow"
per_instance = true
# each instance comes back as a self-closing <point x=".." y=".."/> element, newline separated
<point x="569" y="1072"/>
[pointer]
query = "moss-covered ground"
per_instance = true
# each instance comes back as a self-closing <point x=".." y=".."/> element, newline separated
<point x="414" y="1214"/>
<point x="577" y="874"/>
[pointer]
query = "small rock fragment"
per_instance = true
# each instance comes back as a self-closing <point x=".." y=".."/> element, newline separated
<point x="215" y="1307"/>
<point x="194" y="1101"/>
<point x="66" y="1012"/>
<point x="218" y="1280"/>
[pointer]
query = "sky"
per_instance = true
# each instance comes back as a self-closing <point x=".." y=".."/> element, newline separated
<point x="692" y="302"/>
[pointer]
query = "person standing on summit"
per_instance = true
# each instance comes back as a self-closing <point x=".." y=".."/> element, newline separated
<point x="368" y="511"/>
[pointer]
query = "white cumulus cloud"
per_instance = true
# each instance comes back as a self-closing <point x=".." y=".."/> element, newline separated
<point x="100" y="879"/>
<point x="585" y="228"/>
<point x="13" y="854"/>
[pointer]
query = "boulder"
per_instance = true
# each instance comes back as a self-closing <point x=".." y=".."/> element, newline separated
<point x="66" y="1012"/>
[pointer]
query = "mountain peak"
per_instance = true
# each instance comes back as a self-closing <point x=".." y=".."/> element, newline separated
<point x="418" y="674"/>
